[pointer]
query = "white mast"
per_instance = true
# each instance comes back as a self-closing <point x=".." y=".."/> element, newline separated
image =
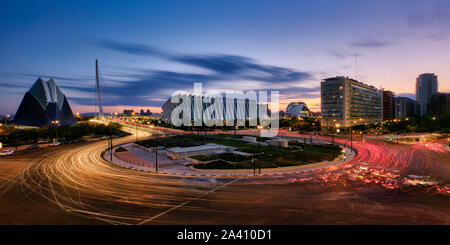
<point x="99" y="97"/>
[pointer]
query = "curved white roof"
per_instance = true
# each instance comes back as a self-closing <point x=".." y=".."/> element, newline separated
<point x="47" y="92"/>
<point x="297" y="109"/>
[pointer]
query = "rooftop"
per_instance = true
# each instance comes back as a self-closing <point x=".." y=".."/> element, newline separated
<point x="209" y="146"/>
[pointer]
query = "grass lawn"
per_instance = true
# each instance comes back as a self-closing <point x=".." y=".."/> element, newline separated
<point x="231" y="157"/>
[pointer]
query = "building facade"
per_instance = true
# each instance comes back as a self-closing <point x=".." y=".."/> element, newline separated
<point x="404" y="107"/>
<point x="388" y="105"/>
<point x="241" y="108"/>
<point x="426" y="86"/>
<point x="347" y="102"/>
<point x="439" y="104"/>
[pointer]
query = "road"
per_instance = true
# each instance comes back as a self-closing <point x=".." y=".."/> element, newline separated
<point x="72" y="184"/>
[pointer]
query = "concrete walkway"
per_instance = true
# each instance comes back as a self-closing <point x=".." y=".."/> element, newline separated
<point x="174" y="167"/>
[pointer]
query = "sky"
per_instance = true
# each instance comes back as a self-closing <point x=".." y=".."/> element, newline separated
<point x="149" y="49"/>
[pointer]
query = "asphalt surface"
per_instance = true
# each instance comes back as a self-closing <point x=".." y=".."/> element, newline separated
<point x="72" y="184"/>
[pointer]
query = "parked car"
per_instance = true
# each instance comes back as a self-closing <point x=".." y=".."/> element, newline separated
<point x="33" y="146"/>
<point x="55" y="143"/>
<point x="5" y="153"/>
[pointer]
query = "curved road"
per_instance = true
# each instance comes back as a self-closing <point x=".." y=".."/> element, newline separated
<point x="72" y="184"/>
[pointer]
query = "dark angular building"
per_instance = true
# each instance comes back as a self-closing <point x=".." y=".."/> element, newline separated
<point x="405" y="107"/>
<point x="439" y="104"/>
<point x="44" y="104"/>
<point x="388" y="105"/>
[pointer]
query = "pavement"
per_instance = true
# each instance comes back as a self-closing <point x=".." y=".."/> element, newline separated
<point x="144" y="160"/>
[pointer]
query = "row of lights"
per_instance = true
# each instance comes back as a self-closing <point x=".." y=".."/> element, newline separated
<point x="406" y="119"/>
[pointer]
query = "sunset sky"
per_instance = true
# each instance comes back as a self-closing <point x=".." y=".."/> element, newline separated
<point x="149" y="49"/>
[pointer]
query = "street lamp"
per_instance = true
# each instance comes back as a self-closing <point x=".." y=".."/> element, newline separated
<point x="110" y="141"/>
<point x="254" y="165"/>
<point x="343" y="152"/>
<point x="351" y="137"/>
<point x="156" y="155"/>
<point x="337" y="125"/>
<point x="259" y="148"/>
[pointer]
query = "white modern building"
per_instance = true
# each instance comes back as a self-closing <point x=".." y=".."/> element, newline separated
<point x="298" y="109"/>
<point x="181" y="152"/>
<point x="235" y="108"/>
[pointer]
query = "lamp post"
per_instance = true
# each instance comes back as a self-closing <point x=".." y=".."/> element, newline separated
<point x="351" y="137"/>
<point x="337" y="125"/>
<point x="259" y="149"/>
<point x="55" y="123"/>
<point x="343" y="152"/>
<point x="156" y="156"/>
<point x="259" y="158"/>
<point x="17" y="133"/>
<point x="254" y="165"/>
<point x="135" y="123"/>
<point x="110" y="143"/>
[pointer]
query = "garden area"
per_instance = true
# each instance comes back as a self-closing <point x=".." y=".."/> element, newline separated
<point x="271" y="156"/>
<point x="11" y="136"/>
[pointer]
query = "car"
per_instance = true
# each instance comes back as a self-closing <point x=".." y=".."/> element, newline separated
<point x="33" y="146"/>
<point x="6" y="153"/>
<point x="55" y="143"/>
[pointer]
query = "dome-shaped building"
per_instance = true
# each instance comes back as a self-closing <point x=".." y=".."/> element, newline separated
<point x="44" y="104"/>
<point x="298" y="109"/>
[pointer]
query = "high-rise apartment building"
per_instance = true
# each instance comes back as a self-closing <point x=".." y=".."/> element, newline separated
<point x="439" y="104"/>
<point x="388" y="105"/>
<point x="347" y="102"/>
<point x="426" y="86"/>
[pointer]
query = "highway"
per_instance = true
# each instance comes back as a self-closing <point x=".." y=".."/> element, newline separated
<point x="72" y="184"/>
